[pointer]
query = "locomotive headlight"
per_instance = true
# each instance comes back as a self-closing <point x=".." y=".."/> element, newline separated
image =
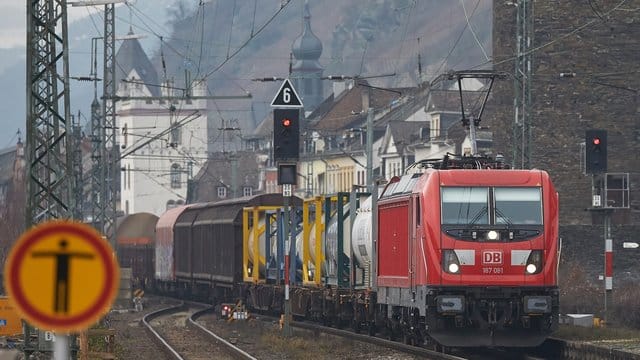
<point x="534" y="262"/>
<point x="492" y="235"/>
<point x="450" y="262"/>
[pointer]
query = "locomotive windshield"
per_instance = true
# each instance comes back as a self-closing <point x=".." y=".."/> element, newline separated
<point x="484" y="206"/>
<point x="465" y="205"/>
<point x="518" y="206"/>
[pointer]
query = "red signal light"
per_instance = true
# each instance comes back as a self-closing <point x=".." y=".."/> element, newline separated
<point x="286" y="122"/>
<point x="596" y="141"/>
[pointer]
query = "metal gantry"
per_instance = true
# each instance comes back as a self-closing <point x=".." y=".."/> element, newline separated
<point x="522" y="86"/>
<point x="109" y="155"/>
<point x="50" y="180"/>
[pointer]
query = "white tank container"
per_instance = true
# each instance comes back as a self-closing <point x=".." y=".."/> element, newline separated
<point x="361" y="234"/>
<point x="331" y="250"/>
<point x="261" y="243"/>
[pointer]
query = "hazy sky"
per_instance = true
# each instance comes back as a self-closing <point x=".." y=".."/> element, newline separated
<point x="13" y="21"/>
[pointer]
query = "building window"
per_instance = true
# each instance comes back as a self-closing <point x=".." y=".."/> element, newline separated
<point x="247" y="191"/>
<point x="222" y="192"/>
<point x="176" y="176"/>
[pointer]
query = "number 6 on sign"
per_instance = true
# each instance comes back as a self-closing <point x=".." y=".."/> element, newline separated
<point x="286" y="97"/>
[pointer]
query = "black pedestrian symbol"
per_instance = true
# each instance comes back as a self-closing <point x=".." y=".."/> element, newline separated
<point x="62" y="280"/>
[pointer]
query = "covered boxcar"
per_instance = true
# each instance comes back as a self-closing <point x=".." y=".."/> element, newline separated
<point x="165" y="275"/>
<point x="208" y="242"/>
<point x="135" y="236"/>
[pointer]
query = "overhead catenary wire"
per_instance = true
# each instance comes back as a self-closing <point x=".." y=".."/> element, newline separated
<point x="455" y="44"/>
<point x="214" y="70"/>
<point x="473" y="32"/>
<point x="404" y="35"/>
<point x="556" y="40"/>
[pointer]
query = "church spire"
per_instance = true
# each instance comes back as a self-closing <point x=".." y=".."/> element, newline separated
<point x="306" y="72"/>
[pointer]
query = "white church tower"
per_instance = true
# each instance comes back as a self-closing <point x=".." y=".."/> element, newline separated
<point x="162" y="134"/>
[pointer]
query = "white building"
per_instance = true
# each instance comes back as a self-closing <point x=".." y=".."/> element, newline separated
<point x="162" y="135"/>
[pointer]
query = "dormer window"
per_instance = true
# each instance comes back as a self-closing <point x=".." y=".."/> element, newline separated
<point x="247" y="191"/>
<point x="222" y="192"/>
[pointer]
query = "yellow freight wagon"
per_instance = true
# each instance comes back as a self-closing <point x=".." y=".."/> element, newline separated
<point x="10" y="321"/>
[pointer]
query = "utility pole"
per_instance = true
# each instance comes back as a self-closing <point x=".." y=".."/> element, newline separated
<point x="103" y="131"/>
<point x="370" y="149"/>
<point x="522" y="86"/>
<point x="78" y="197"/>
<point x="233" y="157"/>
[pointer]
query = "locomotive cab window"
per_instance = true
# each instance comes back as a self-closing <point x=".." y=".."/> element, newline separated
<point x="465" y="205"/>
<point x="518" y="206"/>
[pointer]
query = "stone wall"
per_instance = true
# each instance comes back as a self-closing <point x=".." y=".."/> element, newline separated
<point x="603" y="94"/>
<point x="584" y="245"/>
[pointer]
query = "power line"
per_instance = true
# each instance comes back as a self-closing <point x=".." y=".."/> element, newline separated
<point x="560" y="38"/>
<point x="437" y="72"/>
<point x="282" y="7"/>
<point x="475" y="36"/>
<point x="404" y="35"/>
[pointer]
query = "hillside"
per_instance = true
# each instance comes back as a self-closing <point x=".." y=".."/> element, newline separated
<point x="364" y="38"/>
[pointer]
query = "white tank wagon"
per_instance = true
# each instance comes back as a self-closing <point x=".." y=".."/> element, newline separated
<point x="362" y="241"/>
<point x="328" y="247"/>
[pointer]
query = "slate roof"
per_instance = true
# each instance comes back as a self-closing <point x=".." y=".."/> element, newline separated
<point x="449" y="101"/>
<point x="7" y="157"/>
<point x="217" y="172"/>
<point x="131" y="56"/>
<point x="405" y="133"/>
<point x="347" y="109"/>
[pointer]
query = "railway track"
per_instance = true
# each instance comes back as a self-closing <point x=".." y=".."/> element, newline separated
<point x="407" y="349"/>
<point x="176" y="330"/>
<point x="184" y="332"/>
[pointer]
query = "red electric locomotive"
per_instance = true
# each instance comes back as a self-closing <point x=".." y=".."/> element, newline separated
<point x="468" y="255"/>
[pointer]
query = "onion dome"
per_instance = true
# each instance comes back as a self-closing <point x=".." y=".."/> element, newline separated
<point x="307" y="46"/>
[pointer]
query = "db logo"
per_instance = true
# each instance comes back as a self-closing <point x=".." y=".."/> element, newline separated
<point x="492" y="257"/>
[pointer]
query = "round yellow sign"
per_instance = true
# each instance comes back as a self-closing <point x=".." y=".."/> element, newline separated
<point x="62" y="276"/>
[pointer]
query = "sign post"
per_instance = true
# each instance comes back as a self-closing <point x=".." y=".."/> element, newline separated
<point x="82" y="288"/>
<point x="286" y="140"/>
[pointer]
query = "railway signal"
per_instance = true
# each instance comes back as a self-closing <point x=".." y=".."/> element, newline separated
<point x="596" y="151"/>
<point x="286" y="134"/>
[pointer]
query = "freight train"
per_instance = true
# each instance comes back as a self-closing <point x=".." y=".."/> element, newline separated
<point x="466" y="254"/>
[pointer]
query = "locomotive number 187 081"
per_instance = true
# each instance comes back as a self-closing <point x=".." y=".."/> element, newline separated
<point x="492" y="270"/>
